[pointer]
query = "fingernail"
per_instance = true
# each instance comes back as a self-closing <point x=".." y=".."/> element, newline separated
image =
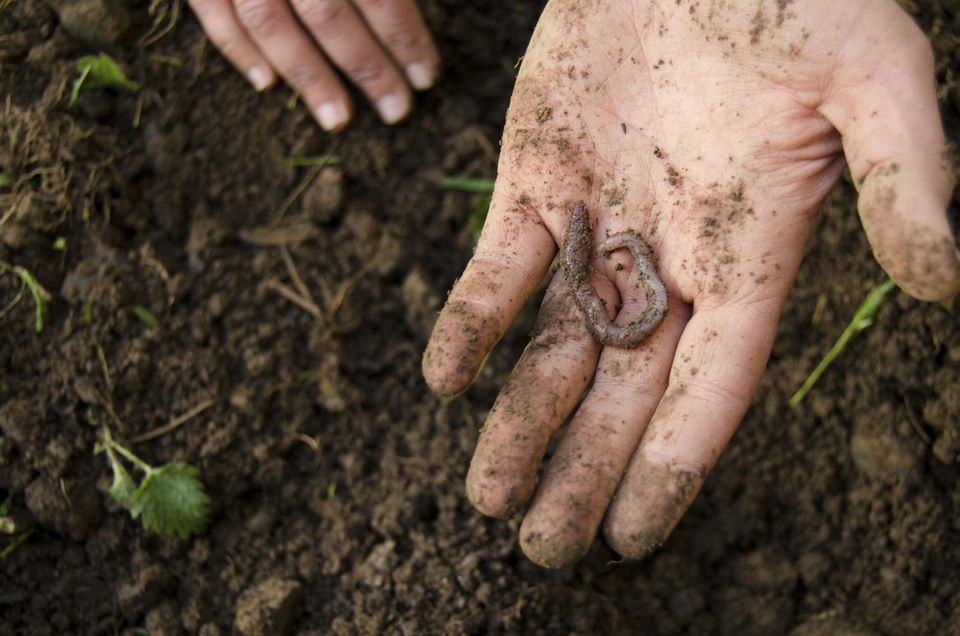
<point x="259" y="77"/>
<point x="393" y="108"/>
<point x="422" y="75"/>
<point x="332" y="115"/>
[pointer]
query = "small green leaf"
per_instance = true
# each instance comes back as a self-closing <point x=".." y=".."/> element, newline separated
<point x="59" y="243"/>
<point x="100" y="71"/>
<point x="171" y="501"/>
<point x="7" y="179"/>
<point x="146" y="317"/>
<point x="40" y="295"/>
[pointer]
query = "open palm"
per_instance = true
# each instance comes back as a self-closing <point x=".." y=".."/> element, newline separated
<point x="713" y="130"/>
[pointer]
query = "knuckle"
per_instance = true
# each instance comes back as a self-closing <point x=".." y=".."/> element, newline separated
<point x="320" y="14"/>
<point x="260" y="16"/>
<point x="366" y="71"/>
<point x="301" y="76"/>
<point x="231" y="47"/>
<point x="406" y="38"/>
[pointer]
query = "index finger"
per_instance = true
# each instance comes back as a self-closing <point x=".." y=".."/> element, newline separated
<point x="512" y="257"/>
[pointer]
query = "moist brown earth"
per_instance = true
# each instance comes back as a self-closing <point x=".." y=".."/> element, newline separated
<point x="336" y="477"/>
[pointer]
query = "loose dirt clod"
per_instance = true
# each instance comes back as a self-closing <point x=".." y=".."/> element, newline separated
<point x="268" y="608"/>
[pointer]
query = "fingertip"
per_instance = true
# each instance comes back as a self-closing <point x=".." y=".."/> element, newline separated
<point x="459" y="344"/>
<point x="422" y="75"/>
<point x="333" y="116"/>
<point x="634" y="546"/>
<point x="395" y="107"/>
<point x="261" y="78"/>
<point x="553" y="545"/>
<point x="910" y="235"/>
<point x="492" y="497"/>
<point x="649" y="504"/>
<point x="928" y="271"/>
<point x="440" y="377"/>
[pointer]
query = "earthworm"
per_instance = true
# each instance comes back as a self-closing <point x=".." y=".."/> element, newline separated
<point x="575" y="260"/>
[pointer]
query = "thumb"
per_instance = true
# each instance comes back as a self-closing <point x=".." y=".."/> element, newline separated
<point x="883" y="101"/>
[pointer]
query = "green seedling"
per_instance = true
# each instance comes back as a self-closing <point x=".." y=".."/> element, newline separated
<point x="40" y="295"/>
<point x="15" y="543"/>
<point x="100" y="71"/>
<point x="59" y="243"/>
<point x="862" y="319"/>
<point x="7" y="179"/>
<point x="483" y="188"/>
<point x="170" y="500"/>
<point x="9" y="526"/>
<point x="317" y="160"/>
<point x="87" y="314"/>
<point x="150" y="322"/>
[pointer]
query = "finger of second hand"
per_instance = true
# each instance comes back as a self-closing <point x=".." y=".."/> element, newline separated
<point x="278" y="35"/>
<point x="400" y="28"/>
<point x="586" y="468"/>
<point x="717" y="369"/>
<point x="348" y="42"/>
<point x="224" y="30"/>
<point x="542" y="390"/>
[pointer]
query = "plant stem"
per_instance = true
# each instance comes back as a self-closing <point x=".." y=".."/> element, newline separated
<point x="110" y="446"/>
<point x="862" y="319"/>
<point x="483" y="186"/>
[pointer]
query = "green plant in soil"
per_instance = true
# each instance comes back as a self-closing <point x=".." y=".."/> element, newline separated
<point x="169" y="500"/>
<point x="862" y="319"/>
<point x="144" y="315"/>
<point x="483" y="188"/>
<point x="40" y="295"/>
<point x="100" y="71"/>
<point x="9" y="527"/>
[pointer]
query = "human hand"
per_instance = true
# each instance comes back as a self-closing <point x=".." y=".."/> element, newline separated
<point x="713" y="130"/>
<point x="382" y="47"/>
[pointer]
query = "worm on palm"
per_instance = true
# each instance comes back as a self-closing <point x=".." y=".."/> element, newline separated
<point x="575" y="261"/>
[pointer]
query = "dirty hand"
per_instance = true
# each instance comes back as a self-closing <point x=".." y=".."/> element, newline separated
<point x="382" y="47"/>
<point x="713" y="130"/>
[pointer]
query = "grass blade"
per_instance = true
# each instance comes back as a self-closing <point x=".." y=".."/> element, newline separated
<point x="467" y="184"/>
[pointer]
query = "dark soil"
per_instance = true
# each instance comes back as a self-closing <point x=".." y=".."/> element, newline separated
<point x="336" y="478"/>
